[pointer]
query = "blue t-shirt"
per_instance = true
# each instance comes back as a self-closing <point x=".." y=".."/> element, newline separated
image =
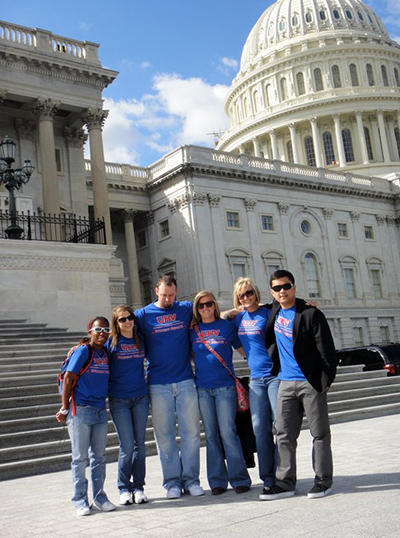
<point x="92" y="386"/>
<point x="166" y="335"/>
<point x="251" y="332"/>
<point x="221" y="335"/>
<point x="126" y="369"/>
<point x="290" y="370"/>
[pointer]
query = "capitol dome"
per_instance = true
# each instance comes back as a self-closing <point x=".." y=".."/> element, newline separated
<point x="319" y="84"/>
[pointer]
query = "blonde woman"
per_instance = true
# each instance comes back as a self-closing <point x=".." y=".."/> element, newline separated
<point x="217" y="395"/>
<point x="129" y="403"/>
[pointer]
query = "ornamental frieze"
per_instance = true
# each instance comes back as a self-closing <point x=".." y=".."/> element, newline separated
<point x="35" y="263"/>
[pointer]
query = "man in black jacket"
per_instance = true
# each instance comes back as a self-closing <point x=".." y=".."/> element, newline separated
<point x="301" y="346"/>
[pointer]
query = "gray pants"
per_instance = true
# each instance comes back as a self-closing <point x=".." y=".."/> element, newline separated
<point x="294" y="399"/>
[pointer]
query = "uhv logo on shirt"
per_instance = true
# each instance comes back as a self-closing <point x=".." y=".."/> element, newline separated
<point x="249" y="322"/>
<point x="283" y="321"/>
<point x="210" y="334"/>
<point x="166" y="319"/>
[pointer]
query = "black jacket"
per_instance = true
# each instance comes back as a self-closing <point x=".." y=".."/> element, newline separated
<point x="313" y="345"/>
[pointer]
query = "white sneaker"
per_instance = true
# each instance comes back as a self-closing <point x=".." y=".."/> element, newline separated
<point x="83" y="511"/>
<point x="174" y="492"/>
<point x="195" y="490"/>
<point x="106" y="506"/>
<point x="139" y="497"/>
<point x="125" y="498"/>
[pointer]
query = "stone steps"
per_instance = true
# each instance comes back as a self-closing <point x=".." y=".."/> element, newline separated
<point x="32" y="442"/>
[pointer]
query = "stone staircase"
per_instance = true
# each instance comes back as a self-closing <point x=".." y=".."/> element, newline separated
<point x="32" y="442"/>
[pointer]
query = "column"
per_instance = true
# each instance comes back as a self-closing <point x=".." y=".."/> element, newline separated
<point x="265" y="150"/>
<point x="274" y="144"/>
<point x="45" y="109"/>
<point x="361" y="136"/>
<point x="339" y="140"/>
<point x="94" y="119"/>
<point x="293" y="138"/>
<point x="134" y="283"/>
<point x="317" y="143"/>
<point x="256" y="146"/>
<point x="393" y="141"/>
<point x="384" y="141"/>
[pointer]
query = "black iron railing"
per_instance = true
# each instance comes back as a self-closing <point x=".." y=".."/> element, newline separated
<point x="62" y="228"/>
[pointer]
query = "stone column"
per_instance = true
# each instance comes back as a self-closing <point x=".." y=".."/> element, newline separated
<point x="293" y="138"/>
<point x="274" y="144"/>
<point x="45" y="110"/>
<point x="94" y="119"/>
<point x="317" y="143"/>
<point x="256" y="146"/>
<point x="134" y="283"/>
<point x="339" y="140"/>
<point x="361" y="136"/>
<point x="384" y="141"/>
<point x="392" y="136"/>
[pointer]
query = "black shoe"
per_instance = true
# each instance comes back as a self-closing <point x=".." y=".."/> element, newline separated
<point x="318" y="491"/>
<point x="271" y="493"/>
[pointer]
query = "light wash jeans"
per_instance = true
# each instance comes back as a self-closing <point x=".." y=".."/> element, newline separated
<point x="88" y="434"/>
<point x="218" y="412"/>
<point x="180" y="468"/>
<point x="130" y="419"/>
<point x="263" y="397"/>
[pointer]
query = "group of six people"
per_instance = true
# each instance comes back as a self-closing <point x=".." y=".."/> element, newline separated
<point x="291" y="357"/>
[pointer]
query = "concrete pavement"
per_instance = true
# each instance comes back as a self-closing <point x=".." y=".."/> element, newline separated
<point x="364" y="504"/>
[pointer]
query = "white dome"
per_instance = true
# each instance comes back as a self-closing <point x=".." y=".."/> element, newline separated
<point x="294" y="20"/>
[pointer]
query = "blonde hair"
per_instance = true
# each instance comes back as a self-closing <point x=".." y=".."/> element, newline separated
<point x="244" y="282"/>
<point x="200" y="295"/>
<point x="115" y="330"/>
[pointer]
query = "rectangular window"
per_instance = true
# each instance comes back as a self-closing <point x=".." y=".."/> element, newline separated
<point x="164" y="229"/>
<point x="141" y="239"/>
<point x="232" y="219"/>
<point x="271" y="269"/>
<point x="267" y="222"/>
<point x="350" y="283"/>
<point x="358" y="336"/>
<point x="369" y="232"/>
<point x="147" y="290"/>
<point x="342" y="229"/>
<point x="385" y="334"/>
<point x="376" y="283"/>
<point x="58" y="160"/>
<point x="238" y="270"/>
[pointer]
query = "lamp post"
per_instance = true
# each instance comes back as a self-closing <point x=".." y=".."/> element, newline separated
<point x="13" y="179"/>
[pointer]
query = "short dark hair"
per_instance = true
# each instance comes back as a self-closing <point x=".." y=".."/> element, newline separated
<point x="168" y="280"/>
<point x="281" y="273"/>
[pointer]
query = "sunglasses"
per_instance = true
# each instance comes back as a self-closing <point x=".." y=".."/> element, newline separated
<point x="246" y="295"/>
<point x="99" y="330"/>
<point x="131" y="317"/>
<point x="285" y="287"/>
<point x="208" y="304"/>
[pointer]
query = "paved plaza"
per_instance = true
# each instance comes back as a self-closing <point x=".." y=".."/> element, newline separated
<point x="365" y="500"/>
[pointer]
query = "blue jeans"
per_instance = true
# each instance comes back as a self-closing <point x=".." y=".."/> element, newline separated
<point x="180" y="469"/>
<point x="88" y="434"/>
<point x="130" y="419"/>
<point x="263" y="397"/>
<point x="218" y="412"/>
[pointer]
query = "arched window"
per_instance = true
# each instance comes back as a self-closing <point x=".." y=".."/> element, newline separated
<point x="319" y="85"/>
<point x="289" y="149"/>
<point x="397" y="136"/>
<point x="384" y="75"/>
<point x="396" y="77"/>
<point x="256" y="101"/>
<point x="360" y="16"/>
<point x="295" y="20"/>
<point x="353" y="75"/>
<point x="337" y="83"/>
<point x="322" y="15"/>
<point x="268" y="94"/>
<point x="245" y="107"/>
<point x="311" y="270"/>
<point x="370" y="75"/>
<point x="308" y="16"/>
<point x="348" y="145"/>
<point x="349" y="14"/>
<point x="310" y="153"/>
<point x="328" y="148"/>
<point x="283" y="84"/>
<point x="301" y="89"/>
<point x="282" y="25"/>
<point x="336" y="14"/>
<point x="368" y="143"/>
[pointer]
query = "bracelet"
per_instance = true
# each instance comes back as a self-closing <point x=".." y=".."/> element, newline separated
<point x="63" y="411"/>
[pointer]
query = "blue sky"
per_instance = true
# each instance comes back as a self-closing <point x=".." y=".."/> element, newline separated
<point x="176" y="60"/>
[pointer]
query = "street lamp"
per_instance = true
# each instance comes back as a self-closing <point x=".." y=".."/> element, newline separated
<point x="13" y="179"/>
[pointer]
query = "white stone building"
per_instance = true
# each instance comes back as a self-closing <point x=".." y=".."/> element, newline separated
<point x="208" y="216"/>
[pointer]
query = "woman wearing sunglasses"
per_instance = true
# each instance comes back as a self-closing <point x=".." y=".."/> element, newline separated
<point x="251" y="321"/>
<point x="84" y="393"/>
<point x="129" y="403"/>
<point x="217" y="394"/>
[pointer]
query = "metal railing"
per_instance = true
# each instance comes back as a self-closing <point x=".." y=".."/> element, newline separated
<point x="65" y="228"/>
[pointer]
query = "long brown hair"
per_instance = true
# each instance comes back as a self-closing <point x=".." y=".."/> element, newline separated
<point x="115" y="330"/>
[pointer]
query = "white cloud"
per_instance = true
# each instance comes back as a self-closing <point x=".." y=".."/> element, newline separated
<point x="230" y="62"/>
<point x="145" y="65"/>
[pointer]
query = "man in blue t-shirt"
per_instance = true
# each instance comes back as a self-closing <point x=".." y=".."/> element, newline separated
<point x="164" y="326"/>
<point x="301" y="347"/>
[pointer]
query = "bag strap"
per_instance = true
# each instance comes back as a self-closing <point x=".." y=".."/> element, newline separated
<point x="215" y="353"/>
